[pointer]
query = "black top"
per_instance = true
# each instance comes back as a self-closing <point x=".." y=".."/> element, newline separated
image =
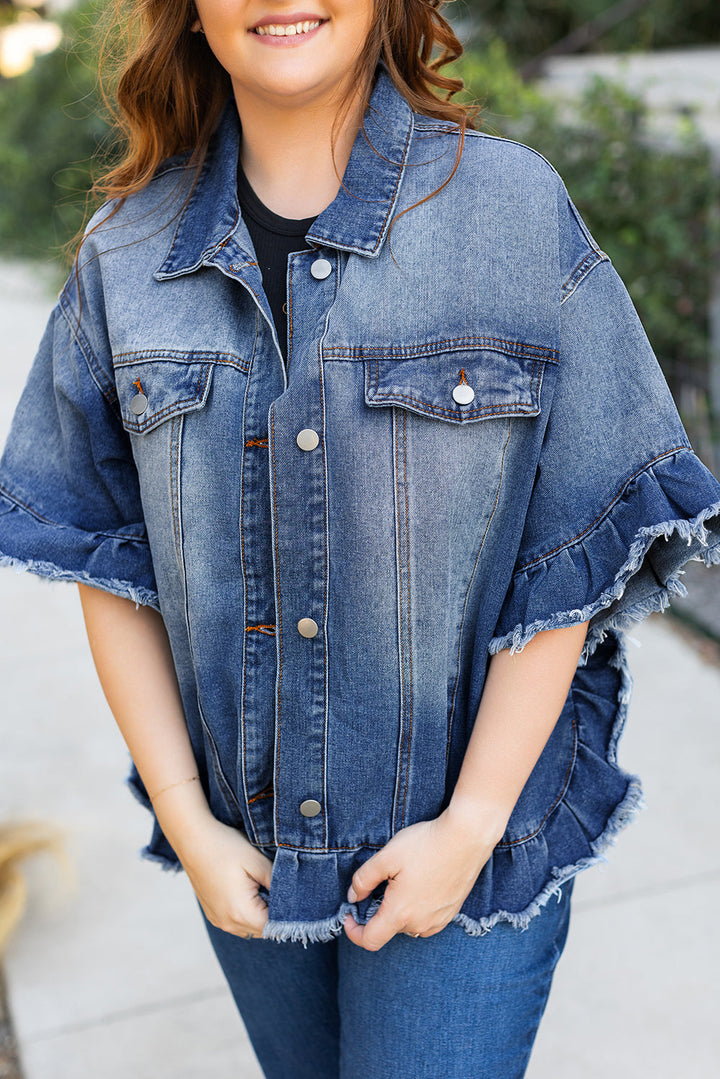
<point x="274" y="238"/>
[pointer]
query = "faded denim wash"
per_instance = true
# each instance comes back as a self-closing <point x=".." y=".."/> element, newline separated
<point x="154" y="454"/>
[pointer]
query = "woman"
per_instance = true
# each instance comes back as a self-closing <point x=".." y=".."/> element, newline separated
<point x="351" y="438"/>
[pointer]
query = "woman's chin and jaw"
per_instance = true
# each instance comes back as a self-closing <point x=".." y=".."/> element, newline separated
<point x="288" y="55"/>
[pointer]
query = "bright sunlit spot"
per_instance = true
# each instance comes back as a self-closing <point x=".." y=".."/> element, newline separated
<point x="20" y="42"/>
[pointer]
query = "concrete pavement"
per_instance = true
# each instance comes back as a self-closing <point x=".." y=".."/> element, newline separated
<point x="111" y="974"/>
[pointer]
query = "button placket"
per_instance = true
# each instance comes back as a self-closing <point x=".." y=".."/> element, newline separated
<point x="255" y="763"/>
<point x="299" y="494"/>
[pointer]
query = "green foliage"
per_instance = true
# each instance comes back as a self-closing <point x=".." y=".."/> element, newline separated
<point x="651" y="204"/>
<point x="51" y="126"/>
<point x="528" y="27"/>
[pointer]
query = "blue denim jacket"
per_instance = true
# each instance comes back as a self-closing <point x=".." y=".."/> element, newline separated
<point x="472" y="442"/>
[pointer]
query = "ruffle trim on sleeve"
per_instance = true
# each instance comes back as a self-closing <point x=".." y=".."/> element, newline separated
<point x="112" y="562"/>
<point x="627" y="566"/>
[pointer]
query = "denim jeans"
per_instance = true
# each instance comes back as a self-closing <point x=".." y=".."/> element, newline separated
<point x="450" y="1006"/>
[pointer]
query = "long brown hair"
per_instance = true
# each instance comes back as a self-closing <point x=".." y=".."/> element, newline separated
<point x="168" y="90"/>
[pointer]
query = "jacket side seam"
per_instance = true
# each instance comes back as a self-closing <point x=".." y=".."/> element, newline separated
<point x="176" y="426"/>
<point x="566" y="779"/>
<point x="581" y="271"/>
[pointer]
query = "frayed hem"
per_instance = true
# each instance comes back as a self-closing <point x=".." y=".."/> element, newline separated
<point x="165" y="863"/>
<point x="140" y="795"/>
<point x="631" y="805"/>
<point x="710" y="557"/>
<point x="141" y="597"/>
<point x="308" y="932"/>
<point x="695" y="530"/>
<point x="316" y="932"/>
<point x="328" y="928"/>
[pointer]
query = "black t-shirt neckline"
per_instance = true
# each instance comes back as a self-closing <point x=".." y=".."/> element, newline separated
<point x="274" y="238"/>
<point x="266" y="218"/>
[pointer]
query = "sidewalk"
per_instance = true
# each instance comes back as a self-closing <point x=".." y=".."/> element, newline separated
<point x="114" y="976"/>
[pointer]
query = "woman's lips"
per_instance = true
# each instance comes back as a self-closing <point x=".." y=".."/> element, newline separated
<point x="288" y="32"/>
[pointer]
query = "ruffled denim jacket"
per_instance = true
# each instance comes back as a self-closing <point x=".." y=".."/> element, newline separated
<point x="472" y="442"/>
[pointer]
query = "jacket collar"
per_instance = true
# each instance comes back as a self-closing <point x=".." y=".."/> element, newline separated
<point x="358" y="218"/>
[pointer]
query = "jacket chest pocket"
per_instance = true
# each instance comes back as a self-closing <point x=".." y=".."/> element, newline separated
<point x="459" y="387"/>
<point x="157" y="396"/>
<point x="150" y="392"/>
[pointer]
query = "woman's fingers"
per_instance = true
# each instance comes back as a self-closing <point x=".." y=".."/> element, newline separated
<point x="242" y="912"/>
<point x="226" y="872"/>
<point x="369" y="875"/>
<point x="392" y="916"/>
<point x="430" y="867"/>
<point x="259" y="867"/>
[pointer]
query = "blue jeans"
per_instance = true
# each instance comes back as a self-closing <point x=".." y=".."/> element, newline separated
<point x="450" y="1006"/>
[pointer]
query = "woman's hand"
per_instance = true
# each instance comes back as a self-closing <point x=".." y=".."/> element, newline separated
<point x="430" y="868"/>
<point x="225" y="870"/>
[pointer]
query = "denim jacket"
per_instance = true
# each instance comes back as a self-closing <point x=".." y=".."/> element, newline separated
<point x="471" y="442"/>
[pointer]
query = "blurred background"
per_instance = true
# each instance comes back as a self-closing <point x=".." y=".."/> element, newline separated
<point x="624" y="99"/>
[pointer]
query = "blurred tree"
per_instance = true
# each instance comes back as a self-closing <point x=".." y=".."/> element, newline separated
<point x="528" y="27"/>
<point x="9" y="9"/>
<point x="52" y="125"/>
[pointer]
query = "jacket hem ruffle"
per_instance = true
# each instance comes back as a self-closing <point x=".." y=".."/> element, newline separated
<point x="310" y="932"/>
<point x="625" y="813"/>
<point x="688" y="539"/>
<point x="158" y="849"/>
<point x="575" y="834"/>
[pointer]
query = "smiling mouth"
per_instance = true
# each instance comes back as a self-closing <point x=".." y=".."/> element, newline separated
<point x="294" y="29"/>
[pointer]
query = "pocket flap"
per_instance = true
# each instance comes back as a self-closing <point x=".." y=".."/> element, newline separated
<point x="458" y="387"/>
<point x="152" y="391"/>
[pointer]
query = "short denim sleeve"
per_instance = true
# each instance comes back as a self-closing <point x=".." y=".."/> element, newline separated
<point x="70" y="504"/>
<point x="620" y="502"/>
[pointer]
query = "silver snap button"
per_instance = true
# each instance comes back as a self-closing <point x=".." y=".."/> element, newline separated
<point x="139" y="404"/>
<point x="463" y="394"/>
<point x="321" y="269"/>
<point x="310" y="807"/>
<point x="308" y="627"/>
<point x="307" y="439"/>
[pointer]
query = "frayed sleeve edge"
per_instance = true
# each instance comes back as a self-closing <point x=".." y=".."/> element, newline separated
<point x="688" y="530"/>
<point x="141" y="596"/>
